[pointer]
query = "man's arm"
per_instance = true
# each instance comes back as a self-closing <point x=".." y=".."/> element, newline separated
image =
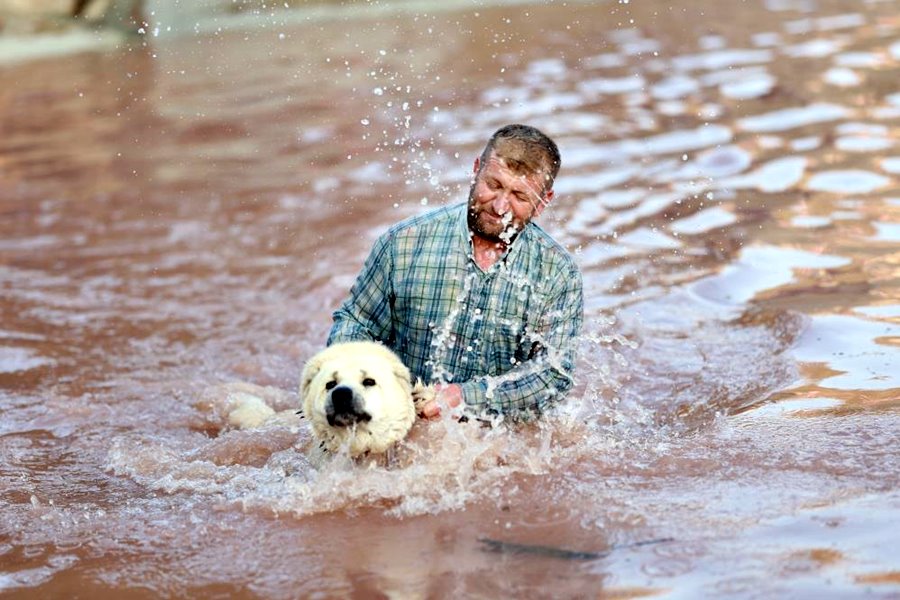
<point x="547" y="375"/>
<point x="366" y="313"/>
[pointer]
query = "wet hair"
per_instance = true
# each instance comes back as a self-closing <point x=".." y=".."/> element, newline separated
<point x="525" y="150"/>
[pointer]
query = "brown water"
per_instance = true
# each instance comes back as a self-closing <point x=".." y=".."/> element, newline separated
<point x="184" y="213"/>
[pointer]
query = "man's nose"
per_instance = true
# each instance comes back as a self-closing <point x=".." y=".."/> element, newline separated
<point x="501" y="202"/>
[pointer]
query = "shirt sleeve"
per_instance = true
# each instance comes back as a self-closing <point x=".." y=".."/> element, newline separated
<point x="366" y="313"/>
<point x="537" y="383"/>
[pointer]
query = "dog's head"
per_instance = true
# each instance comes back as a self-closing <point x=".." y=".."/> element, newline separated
<point x="357" y="394"/>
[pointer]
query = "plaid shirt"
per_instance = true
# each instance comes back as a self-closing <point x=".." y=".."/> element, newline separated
<point x="506" y="335"/>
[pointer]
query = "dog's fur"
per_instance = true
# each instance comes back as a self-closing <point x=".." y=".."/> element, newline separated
<point x="359" y="395"/>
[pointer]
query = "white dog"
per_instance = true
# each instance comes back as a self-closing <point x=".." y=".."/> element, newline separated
<point x="359" y="395"/>
<point x="355" y="395"/>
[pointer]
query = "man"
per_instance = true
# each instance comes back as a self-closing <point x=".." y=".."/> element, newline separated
<point x="475" y="297"/>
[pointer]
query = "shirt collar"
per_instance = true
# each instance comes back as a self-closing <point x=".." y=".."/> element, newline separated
<point x="466" y="238"/>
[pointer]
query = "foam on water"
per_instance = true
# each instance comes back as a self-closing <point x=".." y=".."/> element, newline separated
<point x="446" y="465"/>
<point x="443" y="466"/>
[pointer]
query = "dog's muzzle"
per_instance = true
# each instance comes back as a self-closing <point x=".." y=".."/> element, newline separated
<point x="344" y="408"/>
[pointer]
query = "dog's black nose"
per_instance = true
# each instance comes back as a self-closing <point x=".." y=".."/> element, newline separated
<point x="345" y="408"/>
<point x="342" y="400"/>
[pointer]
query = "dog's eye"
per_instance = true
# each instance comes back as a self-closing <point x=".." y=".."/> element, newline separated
<point x="330" y="385"/>
<point x="368" y="382"/>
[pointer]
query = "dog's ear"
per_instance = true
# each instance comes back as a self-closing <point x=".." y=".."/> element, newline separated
<point x="401" y="374"/>
<point x="310" y="370"/>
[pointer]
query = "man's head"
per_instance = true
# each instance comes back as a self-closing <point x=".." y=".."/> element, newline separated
<point x="513" y="182"/>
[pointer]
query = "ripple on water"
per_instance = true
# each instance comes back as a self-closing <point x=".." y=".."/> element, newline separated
<point x="762" y="268"/>
<point x="599" y="180"/>
<point x="723" y="161"/>
<point x="850" y="181"/>
<point x="891" y="164"/>
<point x="674" y="87"/>
<point x="617" y="199"/>
<point x="791" y="118"/>
<point x="755" y="86"/>
<point x="817" y="48"/>
<point x="842" y="77"/>
<point x="805" y="144"/>
<point x="703" y="221"/>
<point x="863" y="144"/>
<point x="775" y="176"/>
<point x="15" y="360"/>
<point x="862" y="128"/>
<point x="859" y="60"/>
<point x="715" y="163"/>
<point x="886" y="311"/>
<point x="793" y="406"/>
<point x="672" y="142"/>
<point x="603" y="86"/>
<point x="851" y="346"/>
<point x="810" y="221"/>
<point x="272" y="468"/>
<point x="722" y="59"/>
<point x="651" y="239"/>
<point x="886" y="232"/>
<point x="725" y="364"/>
<point x="445" y="465"/>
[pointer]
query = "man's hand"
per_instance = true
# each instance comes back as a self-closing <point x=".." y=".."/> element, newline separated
<point x="451" y="395"/>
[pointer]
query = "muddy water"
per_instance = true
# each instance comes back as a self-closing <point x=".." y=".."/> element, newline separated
<point x="180" y="216"/>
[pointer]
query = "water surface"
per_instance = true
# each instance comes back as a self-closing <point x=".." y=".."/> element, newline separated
<point x="181" y="215"/>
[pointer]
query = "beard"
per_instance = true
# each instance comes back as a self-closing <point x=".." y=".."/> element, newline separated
<point x="482" y="223"/>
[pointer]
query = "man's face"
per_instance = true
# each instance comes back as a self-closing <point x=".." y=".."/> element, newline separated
<point x="502" y="202"/>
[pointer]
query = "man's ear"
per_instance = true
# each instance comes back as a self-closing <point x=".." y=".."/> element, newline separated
<point x="545" y="201"/>
<point x="476" y="167"/>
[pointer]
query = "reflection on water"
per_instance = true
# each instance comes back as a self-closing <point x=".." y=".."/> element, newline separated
<point x="180" y="217"/>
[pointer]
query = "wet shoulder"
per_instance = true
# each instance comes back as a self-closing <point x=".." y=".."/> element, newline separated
<point x="548" y="254"/>
<point x="439" y="218"/>
<point x="434" y="232"/>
